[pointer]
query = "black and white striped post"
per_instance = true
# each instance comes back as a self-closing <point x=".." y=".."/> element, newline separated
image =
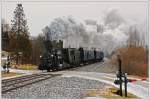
<point x="120" y="73"/>
<point x="121" y="77"/>
<point x="125" y="84"/>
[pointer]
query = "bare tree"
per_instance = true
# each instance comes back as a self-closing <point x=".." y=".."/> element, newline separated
<point x="134" y="37"/>
<point x="5" y="35"/>
<point x="37" y="48"/>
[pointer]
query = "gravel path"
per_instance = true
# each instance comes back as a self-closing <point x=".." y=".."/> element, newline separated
<point x="103" y="67"/>
<point x="57" y="88"/>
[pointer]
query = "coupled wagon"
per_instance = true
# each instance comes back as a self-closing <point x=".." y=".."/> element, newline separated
<point x="63" y="58"/>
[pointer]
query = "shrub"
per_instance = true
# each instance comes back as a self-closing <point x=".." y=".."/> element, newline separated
<point x="134" y="60"/>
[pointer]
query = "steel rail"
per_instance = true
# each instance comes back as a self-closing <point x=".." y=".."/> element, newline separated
<point x="22" y="83"/>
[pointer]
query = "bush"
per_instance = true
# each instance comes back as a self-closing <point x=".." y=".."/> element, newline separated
<point x="134" y="60"/>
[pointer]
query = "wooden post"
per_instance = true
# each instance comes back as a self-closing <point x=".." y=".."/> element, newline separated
<point x="120" y="74"/>
<point x="125" y="85"/>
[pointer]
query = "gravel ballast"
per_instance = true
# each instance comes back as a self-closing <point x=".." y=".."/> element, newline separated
<point x="57" y="88"/>
<point x="102" y="67"/>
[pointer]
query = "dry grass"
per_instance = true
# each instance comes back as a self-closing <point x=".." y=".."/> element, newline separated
<point x="10" y="74"/>
<point x="134" y="60"/>
<point x="109" y="94"/>
<point x="25" y="67"/>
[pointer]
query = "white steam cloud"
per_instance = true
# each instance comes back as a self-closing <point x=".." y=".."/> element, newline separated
<point x="107" y="35"/>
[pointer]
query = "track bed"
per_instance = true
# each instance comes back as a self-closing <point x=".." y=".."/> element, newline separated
<point x="14" y="83"/>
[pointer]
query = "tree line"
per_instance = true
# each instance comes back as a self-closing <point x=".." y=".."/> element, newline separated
<point x="16" y="39"/>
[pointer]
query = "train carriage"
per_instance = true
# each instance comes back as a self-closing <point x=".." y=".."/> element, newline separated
<point x="101" y="56"/>
<point x="71" y="57"/>
<point x="91" y="55"/>
<point x="62" y="58"/>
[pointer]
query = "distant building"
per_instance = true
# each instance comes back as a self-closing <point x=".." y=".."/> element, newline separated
<point x="4" y="56"/>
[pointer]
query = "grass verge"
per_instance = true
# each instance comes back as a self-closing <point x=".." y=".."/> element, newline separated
<point x="10" y="74"/>
<point x="110" y="93"/>
<point x="26" y="67"/>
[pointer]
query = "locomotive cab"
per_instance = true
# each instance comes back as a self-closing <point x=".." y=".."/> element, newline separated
<point x="57" y="59"/>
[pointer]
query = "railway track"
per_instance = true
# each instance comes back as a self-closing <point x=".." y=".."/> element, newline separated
<point x="15" y="83"/>
<point x="85" y="66"/>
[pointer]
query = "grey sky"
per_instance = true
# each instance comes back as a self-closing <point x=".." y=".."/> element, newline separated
<point x="40" y="14"/>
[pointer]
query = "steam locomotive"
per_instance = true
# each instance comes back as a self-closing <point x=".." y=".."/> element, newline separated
<point x="64" y="58"/>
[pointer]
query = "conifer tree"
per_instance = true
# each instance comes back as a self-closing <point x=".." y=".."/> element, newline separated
<point x="20" y="33"/>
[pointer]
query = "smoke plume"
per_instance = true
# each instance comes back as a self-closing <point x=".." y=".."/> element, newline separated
<point x="112" y="32"/>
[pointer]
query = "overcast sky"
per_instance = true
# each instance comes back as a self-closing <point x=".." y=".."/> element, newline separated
<point x="40" y="14"/>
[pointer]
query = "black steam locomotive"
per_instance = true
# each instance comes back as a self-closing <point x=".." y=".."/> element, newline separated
<point x="63" y="58"/>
